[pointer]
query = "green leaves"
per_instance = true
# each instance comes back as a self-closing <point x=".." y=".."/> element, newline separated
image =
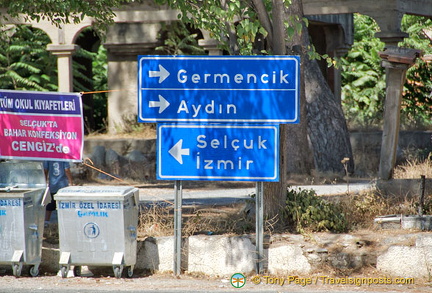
<point x="65" y="11"/>
<point x="234" y="23"/>
<point x="363" y="77"/>
<point x="417" y="97"/>
<point x="24" y="62"/>
<point x="247" y="31"/>
<point x="178" y="40"/>
<point x="100" y="83"/>
<point x="308" y="212"/>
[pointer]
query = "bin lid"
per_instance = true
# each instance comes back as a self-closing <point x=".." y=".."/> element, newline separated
<point x="95" y="192"/>
<point x="17" y="193"/>
<point x="22" y="175"/>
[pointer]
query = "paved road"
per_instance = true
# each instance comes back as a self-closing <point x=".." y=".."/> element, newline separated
<point x="184" y="283"/>
<point x="164" y="193"/>
<point x="204" y="196"/>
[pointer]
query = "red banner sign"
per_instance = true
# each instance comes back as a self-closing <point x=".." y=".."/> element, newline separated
<point x="41" y="126"/>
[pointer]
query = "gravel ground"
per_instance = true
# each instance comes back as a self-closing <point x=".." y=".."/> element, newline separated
<point x="184" y="283"/>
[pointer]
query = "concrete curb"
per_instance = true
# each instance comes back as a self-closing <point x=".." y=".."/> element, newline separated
<point x="393" y="254"/>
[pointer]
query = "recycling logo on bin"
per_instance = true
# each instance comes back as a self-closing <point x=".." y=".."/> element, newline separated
<point x="91" y="230"/>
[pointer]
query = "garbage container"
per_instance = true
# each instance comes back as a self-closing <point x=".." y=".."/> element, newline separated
<point x="98" y="226"/>
<point x="23" y="192"/>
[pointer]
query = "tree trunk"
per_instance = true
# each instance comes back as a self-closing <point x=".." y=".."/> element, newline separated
<point x="327" y="127"/>
<point x="295" y="155"/>
<point x="321" y="117"/>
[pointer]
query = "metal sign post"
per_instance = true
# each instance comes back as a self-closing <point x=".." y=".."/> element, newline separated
<point x="225" y="113"/>
<point x="177" y="227"/>
<point x="259" y="226"/>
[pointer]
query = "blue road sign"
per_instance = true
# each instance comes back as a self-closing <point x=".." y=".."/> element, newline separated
<point x="218" y="152"/>
<point x="244" y="89"/>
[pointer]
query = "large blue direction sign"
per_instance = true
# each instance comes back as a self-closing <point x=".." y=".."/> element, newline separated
<point x="247" y="89"/>
<point x="218" y="152"/>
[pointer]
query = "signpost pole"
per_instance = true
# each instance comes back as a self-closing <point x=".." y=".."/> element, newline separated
<point x="177" y="226"/>
<point x="259" y="226"/>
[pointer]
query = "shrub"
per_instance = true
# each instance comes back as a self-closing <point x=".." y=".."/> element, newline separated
<point x="306" y="211"/>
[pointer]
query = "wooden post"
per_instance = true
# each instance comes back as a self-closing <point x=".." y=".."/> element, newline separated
<point x="396" y="61"/>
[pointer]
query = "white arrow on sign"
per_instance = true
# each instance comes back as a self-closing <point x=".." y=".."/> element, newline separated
<point x="162" y="73"/>
<point x="177" y="151"/>
<point x="162" y="104"/>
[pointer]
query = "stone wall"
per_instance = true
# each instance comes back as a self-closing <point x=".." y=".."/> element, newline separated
<point x="367" y="146"/>
<point x="133" y="159"/>
<point x="397" y="255"/>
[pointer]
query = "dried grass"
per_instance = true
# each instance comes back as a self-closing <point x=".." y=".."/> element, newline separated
<point x="414" y="169"/>
<point x="158" y="220"/>
<point x="360" y="210"/>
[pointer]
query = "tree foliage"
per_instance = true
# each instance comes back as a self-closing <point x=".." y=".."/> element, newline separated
<point x="24" y="62"/>
<point x="232" y="23"/>
<point x="417" y="97"/>
<point x="100" y="85"/>
<point x="363" y="78"/>
<point x="178" y="40"/>
<point x="61" y="11"/>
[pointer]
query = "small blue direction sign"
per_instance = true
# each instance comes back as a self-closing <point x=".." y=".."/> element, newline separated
<point x="218" y="152"/>
<point x="246" y="89"/>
